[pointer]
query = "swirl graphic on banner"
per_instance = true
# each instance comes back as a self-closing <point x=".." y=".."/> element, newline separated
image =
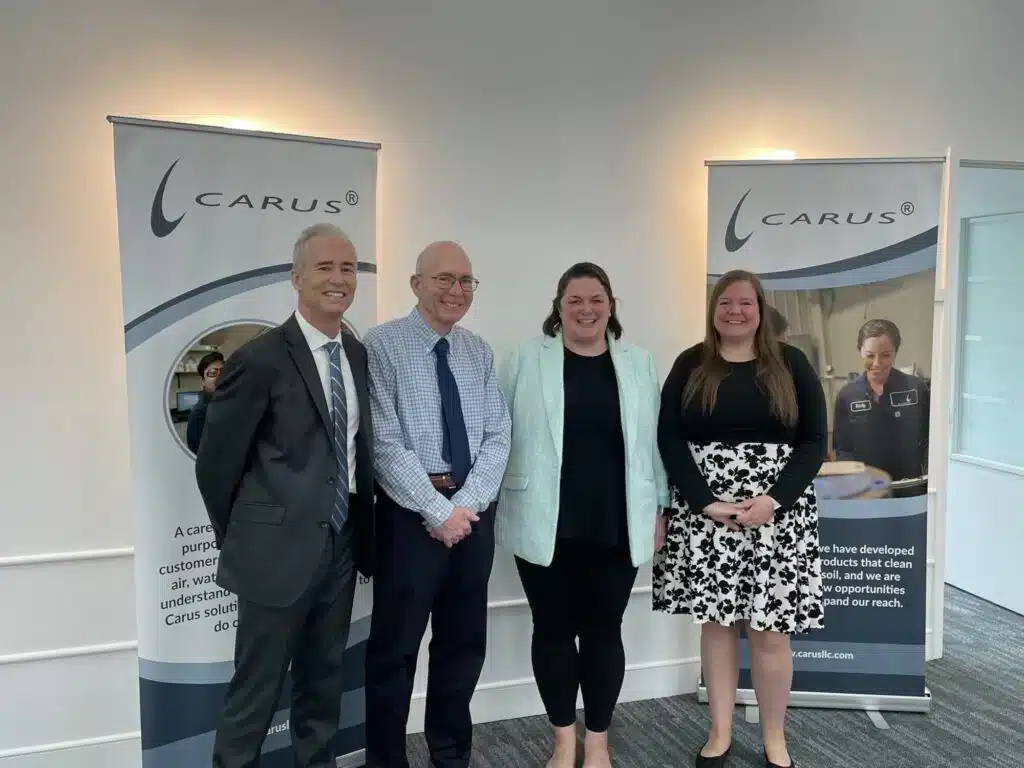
<point x="171" y="311"/>
<point x="906" y="257"/>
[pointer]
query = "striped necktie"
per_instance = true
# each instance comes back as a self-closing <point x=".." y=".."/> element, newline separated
<point x="340" y="435"/>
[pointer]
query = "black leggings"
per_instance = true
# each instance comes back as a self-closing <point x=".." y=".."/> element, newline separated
<point x="582" y="594"/>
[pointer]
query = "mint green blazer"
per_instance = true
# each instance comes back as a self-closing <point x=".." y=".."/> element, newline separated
<point x="531" y="379"/>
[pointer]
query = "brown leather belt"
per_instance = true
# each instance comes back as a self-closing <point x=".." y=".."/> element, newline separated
<point x="443" y="482"/>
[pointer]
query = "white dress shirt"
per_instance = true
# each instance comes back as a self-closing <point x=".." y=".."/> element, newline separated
<point x="316" y="340"/>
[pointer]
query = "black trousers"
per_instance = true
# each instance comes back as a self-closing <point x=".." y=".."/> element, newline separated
<point x="582" y="594"/>
<point x="310" y="635"/>
<point x="417" y="578"/>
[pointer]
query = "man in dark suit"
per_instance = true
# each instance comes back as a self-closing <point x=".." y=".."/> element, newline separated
<point x="285" y="471"/>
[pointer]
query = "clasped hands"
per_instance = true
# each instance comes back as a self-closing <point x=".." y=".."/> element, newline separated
<point x="457" y="527"/>
<point x="742" y="514"/>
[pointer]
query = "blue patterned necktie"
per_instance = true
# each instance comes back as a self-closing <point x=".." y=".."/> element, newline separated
<point x="340" y="435"/>
<point x="455" y="446"/>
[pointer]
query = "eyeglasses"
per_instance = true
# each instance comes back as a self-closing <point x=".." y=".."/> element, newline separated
<point x="447" y="282"/>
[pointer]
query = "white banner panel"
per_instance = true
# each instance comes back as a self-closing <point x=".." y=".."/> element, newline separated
<point x="846" y="252"/>
<point x="802" y="225"/>
<point x="207" y="219"/>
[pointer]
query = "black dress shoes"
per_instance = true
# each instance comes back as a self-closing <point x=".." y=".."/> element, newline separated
<point x="769" y="764"/>
<point x="718" y="761"/>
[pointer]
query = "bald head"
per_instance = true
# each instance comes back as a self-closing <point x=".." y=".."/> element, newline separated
<point x="443" y="284"/>
<point x="442" y="256"/>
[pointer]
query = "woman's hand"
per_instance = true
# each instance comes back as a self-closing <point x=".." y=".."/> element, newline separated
<point x="724" y="513"/>
<point x="756" y="511"/>
<point x="660" y="530"/>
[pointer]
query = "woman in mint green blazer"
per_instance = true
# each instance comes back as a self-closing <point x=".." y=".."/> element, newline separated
<point x="578" y="506"/>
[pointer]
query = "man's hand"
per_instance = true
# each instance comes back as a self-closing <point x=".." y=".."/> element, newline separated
<point x="456" y="527"/>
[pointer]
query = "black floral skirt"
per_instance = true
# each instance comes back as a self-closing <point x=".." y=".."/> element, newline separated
<point x="768" y="576"/>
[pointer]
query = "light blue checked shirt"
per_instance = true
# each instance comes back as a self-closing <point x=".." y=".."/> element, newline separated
<point x="407" y="424"/>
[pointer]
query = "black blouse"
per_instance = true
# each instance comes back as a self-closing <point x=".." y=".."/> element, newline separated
<point x="742" y="414"/>
<point x="593" y="482"/>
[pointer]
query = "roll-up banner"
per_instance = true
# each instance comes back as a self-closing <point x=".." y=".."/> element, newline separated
<point x="846" y="251"/>
<point x="207" y="218"/>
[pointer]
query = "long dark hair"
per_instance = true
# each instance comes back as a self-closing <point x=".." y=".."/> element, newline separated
<point x="553" y="322"/>
<point x="773" y="374"/>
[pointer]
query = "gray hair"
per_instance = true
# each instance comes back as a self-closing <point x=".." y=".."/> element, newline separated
<point x="311" y="233"/>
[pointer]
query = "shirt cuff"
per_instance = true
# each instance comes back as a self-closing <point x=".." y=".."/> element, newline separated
<point x="460" y="500"/>
<point x="438" y="511"/>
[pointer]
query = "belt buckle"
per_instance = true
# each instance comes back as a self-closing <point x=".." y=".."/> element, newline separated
<point x="445" y="480"/>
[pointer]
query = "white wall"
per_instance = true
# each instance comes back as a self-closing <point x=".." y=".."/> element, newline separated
<point x="985" y="519"/>
<point x="535" y="132"/>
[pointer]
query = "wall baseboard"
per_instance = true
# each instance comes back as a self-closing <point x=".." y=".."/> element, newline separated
<point x="511" y="699"/>
<point x="68" y="653"/>
<point x="44" y="558"/>
<point x="95" y="741"/>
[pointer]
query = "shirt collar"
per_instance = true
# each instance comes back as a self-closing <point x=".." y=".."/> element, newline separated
<point x="428" y="334"/>
<point x="895" y="381"/>
<point x="314" y="337"/>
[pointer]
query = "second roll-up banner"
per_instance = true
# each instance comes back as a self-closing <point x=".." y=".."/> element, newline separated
<point x="846" y="251"/>
<point x="207" y="219"/>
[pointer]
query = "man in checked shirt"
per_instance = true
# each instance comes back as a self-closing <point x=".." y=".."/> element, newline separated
<point x="442" y="438"/>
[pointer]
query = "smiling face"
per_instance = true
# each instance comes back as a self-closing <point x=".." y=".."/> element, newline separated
<point x="878" y="354"/>
<point x="444" y="285"/>
<point x="325" y="279"/>
<point x="737" y="316"/>
<point x="584" y="309"/>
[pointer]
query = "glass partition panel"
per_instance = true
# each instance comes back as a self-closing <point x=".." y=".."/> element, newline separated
<point x="990" y="342"/>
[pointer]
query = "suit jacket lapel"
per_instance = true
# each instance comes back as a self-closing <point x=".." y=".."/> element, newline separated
<point x="552" y="367"/>
<point x="625" y="377"/>
<point x="359" y="373"/>
<point x="303" y="359"/>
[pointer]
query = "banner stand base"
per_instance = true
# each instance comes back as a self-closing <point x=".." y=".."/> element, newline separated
<point x="872" y="705"/>
<point x="352" y="760"/>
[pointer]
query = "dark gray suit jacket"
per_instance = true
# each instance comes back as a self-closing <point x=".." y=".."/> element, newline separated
<point x="266" y="467"/>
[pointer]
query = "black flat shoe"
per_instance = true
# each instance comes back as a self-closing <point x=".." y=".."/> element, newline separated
<point x="718" y="761"/>
<point x="769" y="764"/>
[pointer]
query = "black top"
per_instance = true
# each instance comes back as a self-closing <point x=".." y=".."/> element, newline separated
<point x="742" y="414"/>
<point x="593" y="483"/>
<point x="889" y="432"/>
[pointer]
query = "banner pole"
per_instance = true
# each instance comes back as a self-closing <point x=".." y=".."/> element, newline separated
<point x="140" y="122"/>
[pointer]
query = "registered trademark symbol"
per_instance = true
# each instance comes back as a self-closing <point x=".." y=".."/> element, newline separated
<point x="907" y="208"/>
<point x="352" y="198"/>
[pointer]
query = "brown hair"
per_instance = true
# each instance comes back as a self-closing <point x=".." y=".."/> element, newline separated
<point x="553" y="322"/>
<point x="776" y="321"/>
<point x="773" y="374"/>
<point x="874" y="328"/>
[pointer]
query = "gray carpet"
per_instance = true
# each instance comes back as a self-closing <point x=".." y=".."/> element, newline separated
<point x="977" y="718"/>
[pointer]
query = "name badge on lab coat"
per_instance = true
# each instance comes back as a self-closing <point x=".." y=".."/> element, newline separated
<point x="903" y="399"/>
